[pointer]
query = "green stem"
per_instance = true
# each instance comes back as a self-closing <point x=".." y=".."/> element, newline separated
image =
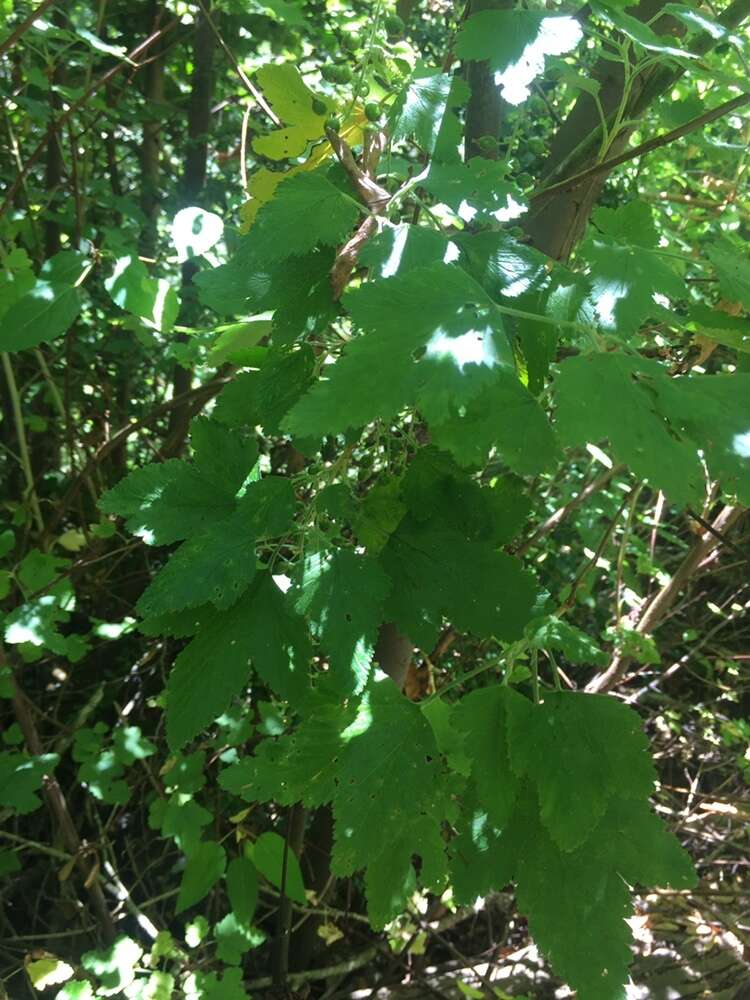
<point x="534" y="660"/>
<point x="22" y="442"/>
<point x="460" y="680"/>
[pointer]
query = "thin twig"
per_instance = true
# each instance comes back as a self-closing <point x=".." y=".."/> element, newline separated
<point x="247" y="82"/>
<point x="645" y="147"/>
<point x="23" y="445"/>
<point x="562" y="513"/>
<point x="58" y="807"/>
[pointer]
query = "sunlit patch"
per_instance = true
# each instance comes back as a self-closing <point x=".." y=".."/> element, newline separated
<point x="512" y="210"/>
<point x="452" y="253"/>
<point x="393" y="263"/>
<point x="477" y="347"/>
<point x="607" y="296"/>
<point x="741" y="444"/>
<point x="364" y="715"/>
<point x="160" y="300"/>
<point x="556" y="36"/>
<point x="194" y="231"/>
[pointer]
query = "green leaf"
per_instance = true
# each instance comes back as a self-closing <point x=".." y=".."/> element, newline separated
<point x="502" y="265"/>
<point x="403" y="247"/>
<point x="578" y="832"/>
<point x="576" y="646"/>
<point x="218" y="564"/>
<point x="268" y="857"/>
<point x="696" y="20"/>
<point x="159" y="986"/>
<point x="379" y="514"/>
<point x="732" y="331"/>
<point x="299" y="767"/>
<point x="204" y="869"/>
<point x="475" y="189"/>
<point x="481" y="717"/>
<point x="48" y="309"/>
<point x="449" y="739"/>
<point x="186" y="774"/>
<point x="714" y="412"/>
<point x="479" y="862"/>
<point x="209" y="986"/>
<point x="389" y="779"/>
<point x="611" y="395"/>
<point x="259" y="630"/>
<point x="169" y="501"/>
<point x="181" y="820"/>
<point x="733" y="271"/>
<point x="639" y="32"/>
<point x="592" y="888"/>
<point x="631" y="223"/>
<point x="237" y="343"/>
<point x="435" y="571"/>
<point x="114" y="967"/>
<point x="306" y="211"/>
<point x="265" y="397"/>
<point x="435" y="487"/>
<point x="624" y="280"/>
<point x="234" y="938"/>
<point x="242" y="886"/>
<point x="79" y="989"/>
<point x="284" y="10"/>
<point x="342" y="595"/>
<point x="438" y="312"/>
<point x="515" y="43"/>
<point x="21" y="777"/>
<point x="151" y="299"/>
<point x="592" y="739"/>
<point x="16" y="278"/>
<point x="421" y="107"/>
<point x="504" y="416"/>
<point x="9" y="863"/>
<point x="297" y="288"/>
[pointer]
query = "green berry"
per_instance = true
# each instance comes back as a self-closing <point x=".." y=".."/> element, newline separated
<point x="394" y="25"/>
<point x="329" y="73"/>
<point x="333" y="123"/>
<point x="488" y="143"/>
<point x="372" y="111"/>
<point x="525" y="180"/>
<point x="319" y="107"/>
<point x="363" y="89"/>
<point x="350" y="43"/>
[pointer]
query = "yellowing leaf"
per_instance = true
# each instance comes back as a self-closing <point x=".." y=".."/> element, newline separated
<point x="261" y="188"/>
<point x="72" y="540"/>
<point x="330" y="933"/>
<point x="294" y="103"/>
<point x="291" y="99"/>
<point x="263" y="183"/>
<point x="48" y="971"/>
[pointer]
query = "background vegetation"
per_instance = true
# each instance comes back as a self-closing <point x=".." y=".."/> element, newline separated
<point x="187" y="190"/>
